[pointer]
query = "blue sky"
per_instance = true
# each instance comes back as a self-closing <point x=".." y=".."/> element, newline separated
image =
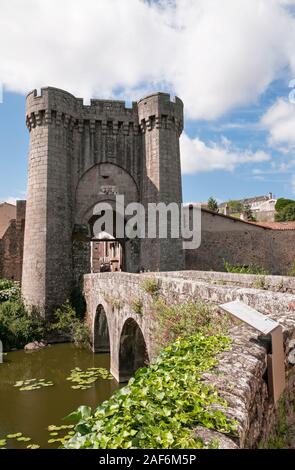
<point x="231" y="62"/>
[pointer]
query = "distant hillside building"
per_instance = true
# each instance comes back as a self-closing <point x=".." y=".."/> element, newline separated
<point x="263" y="207"/>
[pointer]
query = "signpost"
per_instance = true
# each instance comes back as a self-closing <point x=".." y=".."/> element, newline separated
<point x="266" y="326"/>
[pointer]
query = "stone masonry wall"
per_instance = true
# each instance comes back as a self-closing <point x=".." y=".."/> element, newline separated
<point x="240" y="376"/>
<point x="226" y="238"/>
<point x="11" y="246"/>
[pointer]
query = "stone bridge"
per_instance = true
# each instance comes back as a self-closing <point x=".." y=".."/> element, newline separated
<point x="119" y="316"/>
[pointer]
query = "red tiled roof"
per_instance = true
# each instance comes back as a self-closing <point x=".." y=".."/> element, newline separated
<point x="278" y="225"/>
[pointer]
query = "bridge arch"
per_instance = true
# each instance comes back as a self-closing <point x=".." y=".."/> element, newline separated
<point x="101" y="333"/>
<point x="132" y="350"/>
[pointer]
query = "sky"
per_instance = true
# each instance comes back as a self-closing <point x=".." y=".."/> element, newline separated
<point x="232" y="62"/>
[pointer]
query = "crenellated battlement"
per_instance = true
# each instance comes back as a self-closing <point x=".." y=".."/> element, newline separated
<point x="60" y="108"/>
<point x="59" y="119"/>
<point x="159" y="111"/>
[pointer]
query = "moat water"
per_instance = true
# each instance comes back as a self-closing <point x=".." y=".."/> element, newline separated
<point x="31" y="412"/>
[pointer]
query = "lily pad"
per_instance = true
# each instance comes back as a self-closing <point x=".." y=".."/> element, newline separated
<point x="83" y="380"/>
<point x="23" y="439"/>
<point x="32" y="384"/>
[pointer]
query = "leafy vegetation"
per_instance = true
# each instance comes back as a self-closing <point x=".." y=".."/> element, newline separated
<point x="212" y="205"/>
<point x="9" y="290"/>
<point x="68" y="324"/>
<point x="85" y="379"/>
<point x="282" y="203"/>
<point x="17" y="328"/>
<point x="179" y="320"/>
<point x="285" y="210"/>
<point x="151" y="286"/>
<point x="248" y="213"/>
<point x="160" y="406"/>
<point x="244" y="269"/>
<point x="137" y="306"/>
<point x="235" y="207"/>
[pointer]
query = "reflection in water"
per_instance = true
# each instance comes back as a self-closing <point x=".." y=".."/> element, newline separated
<point x="32" y="412"/>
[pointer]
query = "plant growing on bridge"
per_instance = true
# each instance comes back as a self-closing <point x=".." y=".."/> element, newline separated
<point x="151" y="287"/>
<point x="137" y="306"/>
<point x="244" y="269"/>
<point x="161" y="405"/>
<point x="178" y="320"/>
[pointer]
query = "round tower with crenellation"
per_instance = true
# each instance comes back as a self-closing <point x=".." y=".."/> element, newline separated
<point x="161" y="123"/>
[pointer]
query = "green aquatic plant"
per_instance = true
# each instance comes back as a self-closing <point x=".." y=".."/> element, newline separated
<point x="32" y="384"/>
<point x="60" y="433"/>
<point x="19" y="437"/>
<point x="84" y="379"/>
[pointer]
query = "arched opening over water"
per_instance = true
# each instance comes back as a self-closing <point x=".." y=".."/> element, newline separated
<point x="101" y="337"/>
<point x="133" y="351"/>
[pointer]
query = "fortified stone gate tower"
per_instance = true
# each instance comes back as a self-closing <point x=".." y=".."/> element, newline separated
<point x="81" y="155"/>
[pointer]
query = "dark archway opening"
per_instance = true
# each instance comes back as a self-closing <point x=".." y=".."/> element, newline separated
<point x="133" y="351"/>
<point x="101" y="337"/>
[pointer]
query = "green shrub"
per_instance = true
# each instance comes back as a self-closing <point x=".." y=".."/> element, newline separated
<point x="6" y="284"/>
<point x="68" y="324"/>
<point x="151" y="286"/>
<point x="17" y="327"/>
<point x="287" y="214"/>
<point x="244" y="269"/>
<point x="282" y="203"/>
<point x="137" y="306"/>
<point x="161" y="405"/>
<point x="9" y="290"/>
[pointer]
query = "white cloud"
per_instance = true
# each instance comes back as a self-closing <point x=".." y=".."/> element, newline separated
<point x="293" y="184"/>
<point x="214" y="54"/>
<point x="197" y="156"/>
<point x="279" y="120"/>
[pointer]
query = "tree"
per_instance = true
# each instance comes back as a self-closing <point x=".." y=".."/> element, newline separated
<point x="213" y="205"/>
<point x="248" y="213"/>
<point x="286" y="214"/>
<point x="282" y="203"/>
<point x="235" y="207"/>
